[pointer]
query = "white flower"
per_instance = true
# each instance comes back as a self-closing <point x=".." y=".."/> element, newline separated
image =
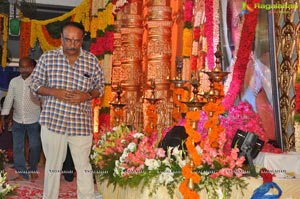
<point x="123" y="141"/>
<point x="132" y="147"/>
<point x="152" y="164"/>
<point x="124" y="155"/>
<point x="176" y="151"/>
<point x="166" y="177"/>
<point x="181" y="163"/>
<point x="138" y="135"/>
<point x="167" y="161"/>
<point x="118" y="170"/>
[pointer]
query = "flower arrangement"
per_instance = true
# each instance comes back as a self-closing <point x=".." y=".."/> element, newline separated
<point x="5" y="188"/>
<point x="219" y="171"/>
<point x="129" y="158"/>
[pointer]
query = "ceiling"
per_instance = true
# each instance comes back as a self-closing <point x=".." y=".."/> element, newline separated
<point x="71" y="3"/>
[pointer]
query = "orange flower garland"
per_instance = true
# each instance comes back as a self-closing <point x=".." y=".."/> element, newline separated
<point x="25" y="35"/>
<point x="179" y="108"/>
<point x="50" y="40"/>
<point x="5" y="39"/>
<point x="152" y="119"/>
<point x="213" y="110"/>
<point x="187" y="171"/>
<point x="118" y="114"/>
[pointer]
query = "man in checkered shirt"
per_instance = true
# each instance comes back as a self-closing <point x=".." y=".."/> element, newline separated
<point x="68" y="78"/>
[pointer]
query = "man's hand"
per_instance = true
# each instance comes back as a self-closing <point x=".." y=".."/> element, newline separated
<point x="76" y="97"/>
<point x="68" y="96"/>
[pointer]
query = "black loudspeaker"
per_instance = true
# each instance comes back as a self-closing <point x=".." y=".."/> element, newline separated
<point x="175" y="137"/>
<point x="249" y="144"/>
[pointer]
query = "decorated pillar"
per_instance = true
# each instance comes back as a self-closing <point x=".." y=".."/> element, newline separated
<point x="159" y="50"/>
<point x="131" y="61"/>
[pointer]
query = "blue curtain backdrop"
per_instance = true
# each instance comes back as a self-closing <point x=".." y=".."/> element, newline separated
<point x="6" y="74"/>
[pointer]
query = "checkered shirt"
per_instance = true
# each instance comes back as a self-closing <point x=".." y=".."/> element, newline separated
<point x="53" y="70"/>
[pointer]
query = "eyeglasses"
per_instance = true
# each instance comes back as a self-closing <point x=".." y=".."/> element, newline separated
<point x="71" y="41"/>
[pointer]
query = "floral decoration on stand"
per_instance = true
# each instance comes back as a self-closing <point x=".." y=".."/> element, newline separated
<point x="190" y="177"/>
<point x="180" y="108"/>
<point x="213" y="109"/>
<point x="129" y="158"/>
<point x="104" y="114"/>
<point x="152" y="119"/>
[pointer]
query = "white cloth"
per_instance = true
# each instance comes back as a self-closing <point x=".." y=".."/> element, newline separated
<point x="26" y="106"/>
<point x="55" y="149"/>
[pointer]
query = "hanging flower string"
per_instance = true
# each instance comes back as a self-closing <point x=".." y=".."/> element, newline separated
<point x="194" y="137"/>
<point x="5" y="39"/>
<point x="196" y="36"/>
<point x="216" y="25"/>
<point x="244" y="51"/>
<point x="209" y="32"/>
<point x="102" y="32"/>
<point x="187" y="29"/>
<point x="25" y="30"/>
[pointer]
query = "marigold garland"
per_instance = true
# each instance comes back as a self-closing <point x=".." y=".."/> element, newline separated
<point x="50" y="40"/>
<point x="213" y="110"/>
<point x="5" y="39"/>
<point x="152" y="119"/>
<point x="192" y="117"/>
<point x="25" y="36"/>
<point x="79" y="14"/>
<point x="179" y="107"/>
<point x="187" y="42"/>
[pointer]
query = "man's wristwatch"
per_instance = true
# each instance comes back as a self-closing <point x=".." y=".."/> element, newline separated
<point x="91" y="96"/>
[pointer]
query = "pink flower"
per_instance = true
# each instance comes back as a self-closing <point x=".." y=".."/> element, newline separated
<point x="188" y="11"/>
<point x="227" y="172"/>
<point x="160" y="153"/>
<point x="239" y="172"/>
<point x="215" y="175"/>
